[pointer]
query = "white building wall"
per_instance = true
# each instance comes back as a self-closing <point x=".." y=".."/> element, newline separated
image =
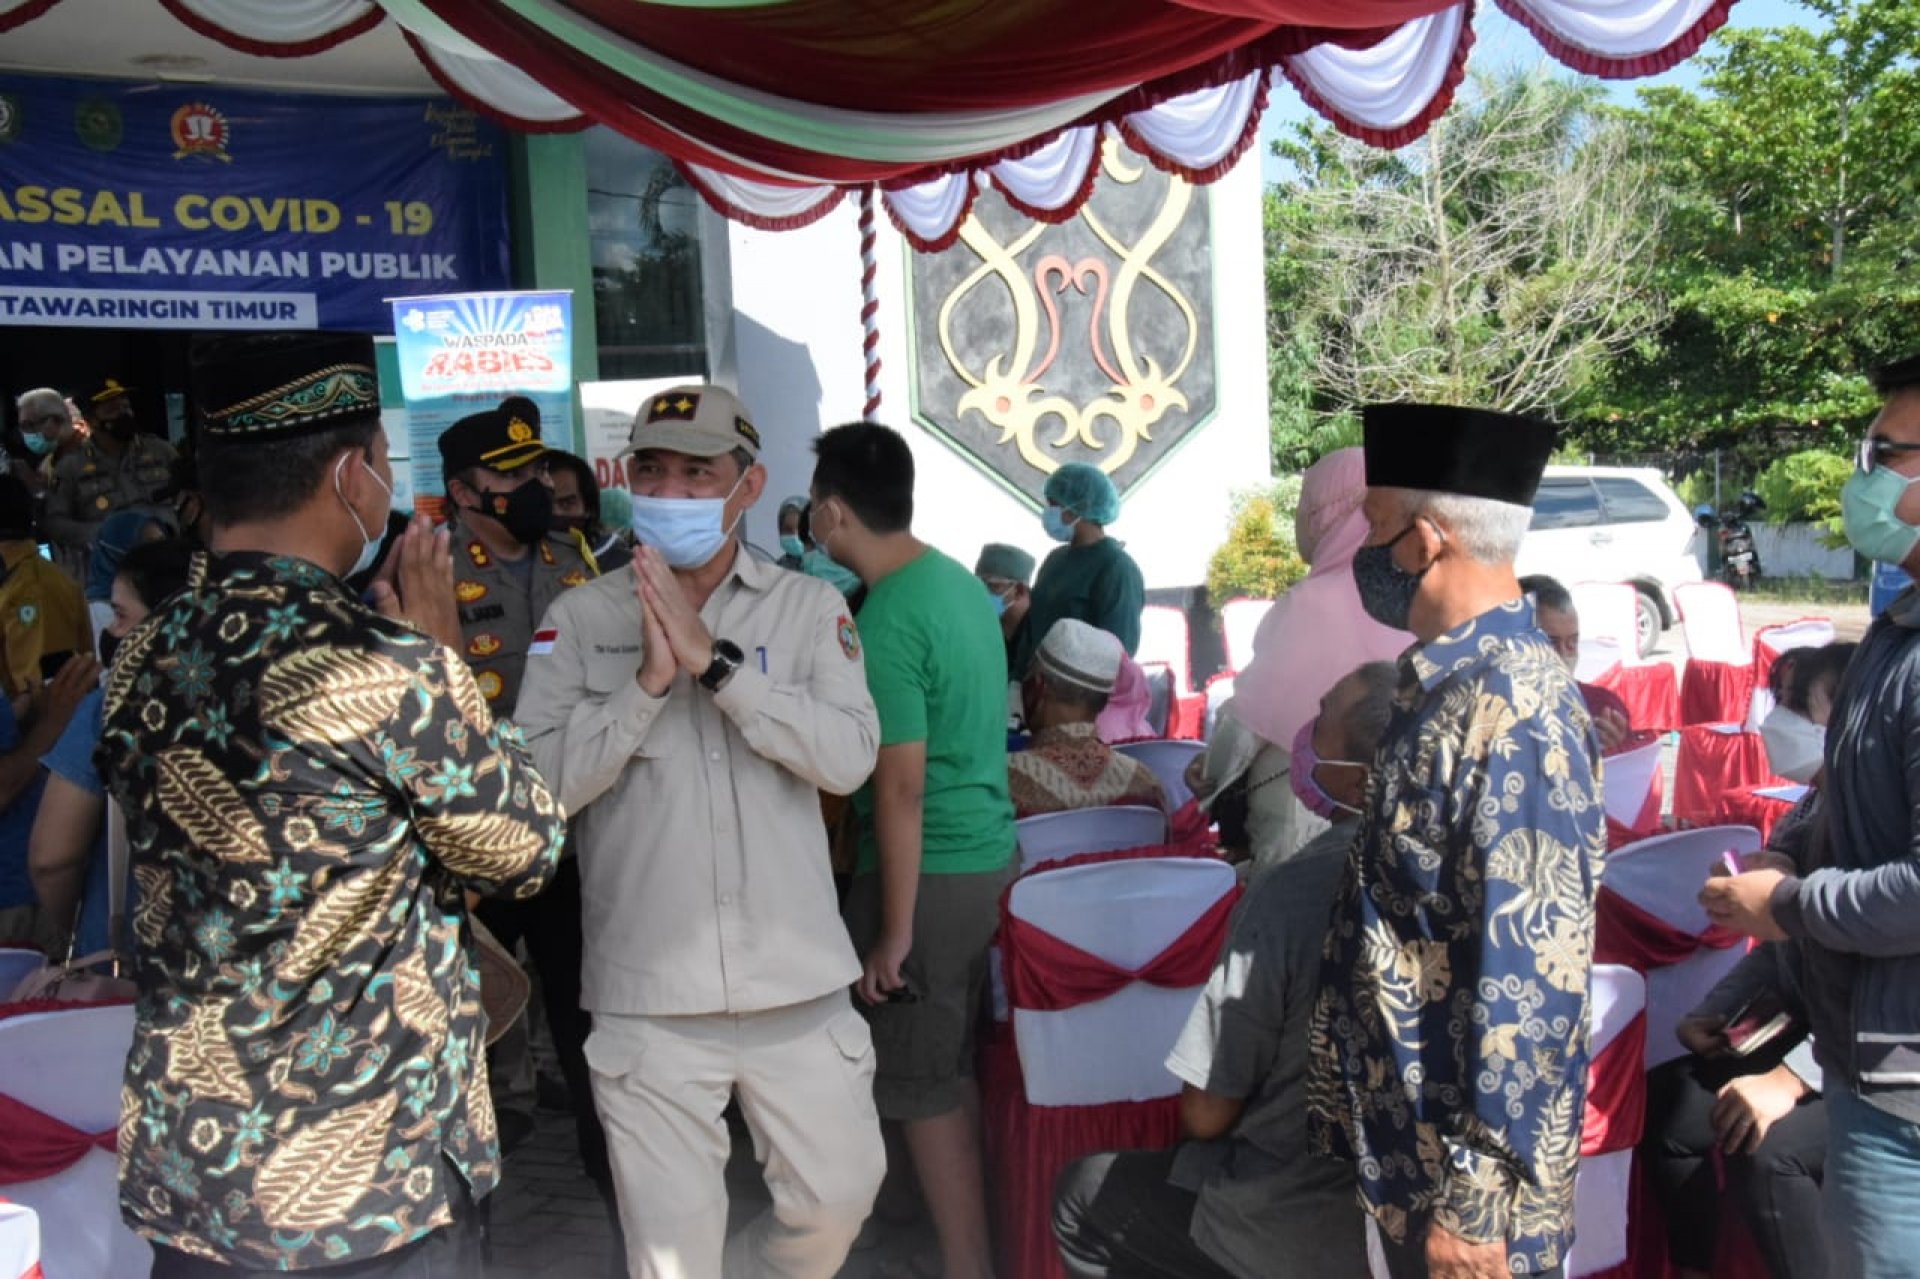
<point x="794" y="344"/>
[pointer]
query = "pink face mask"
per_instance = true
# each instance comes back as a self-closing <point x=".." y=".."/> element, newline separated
<point x="1306" y="786"/>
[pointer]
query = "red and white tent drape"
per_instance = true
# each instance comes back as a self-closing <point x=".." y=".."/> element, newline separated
<point x="774" y="110"/>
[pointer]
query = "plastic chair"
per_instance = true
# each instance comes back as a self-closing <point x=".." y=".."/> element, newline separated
<point x="1052" y="836"/>
<point x="1768" y="644"/>
<point x="68" y="1064"/>
<point x="19" y="1242"/>
<point x="1662" y="876"/>
<point x="1164" y="639"/>
<point x="1609" y="611"/>
<point x="1169" y="761"/>
<point x="1126" y="913"/>
<point x="1628" y="783"/>
<point x="1710" y="621"/>
<point x="1602" y="1191"/>
<point x="1239" y="622"/>
<point x="15" y="963"/>
<point x="1599" y="658"/>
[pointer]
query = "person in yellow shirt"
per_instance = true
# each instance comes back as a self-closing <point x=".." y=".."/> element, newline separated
<point x="43" y="619"/>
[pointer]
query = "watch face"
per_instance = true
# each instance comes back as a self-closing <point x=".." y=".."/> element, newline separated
<point x="729" y="650"/>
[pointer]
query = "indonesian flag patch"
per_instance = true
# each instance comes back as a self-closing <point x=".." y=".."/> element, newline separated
<point x="543" y="642"/>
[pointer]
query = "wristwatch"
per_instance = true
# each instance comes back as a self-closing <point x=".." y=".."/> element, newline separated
<point x="726" y="660"/>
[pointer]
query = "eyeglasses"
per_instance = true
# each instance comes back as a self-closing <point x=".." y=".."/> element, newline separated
<point x="1877" y="450"/>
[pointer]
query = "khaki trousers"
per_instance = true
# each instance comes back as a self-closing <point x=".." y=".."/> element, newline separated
<point x="804" y="1077"/>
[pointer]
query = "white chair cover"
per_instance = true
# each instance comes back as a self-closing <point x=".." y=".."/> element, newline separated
<point x="1168" y="760"/>
<point x="1052" y="836"/>
<point x="1662" y="876"/>
<point x="1769" y="644"/>
<point x="19" y="1242"/>
<point x="1126" y="912"/>
<point x="1239" y="622"/>
<point x="1598" y="655"/>
<point x="68" y="1064"/>
<point x="1628" y="779"/>
<point x="1219" y="693"/>
<point x="1609" y="611"/>
<point x="1710" y="620"/>
<point x="1601" y="1190"/>
<point x="1163" y="639"/>
<point x="15" y="963"/>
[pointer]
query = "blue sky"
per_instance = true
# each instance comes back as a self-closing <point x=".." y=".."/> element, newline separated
<point x="1500" y="41"/>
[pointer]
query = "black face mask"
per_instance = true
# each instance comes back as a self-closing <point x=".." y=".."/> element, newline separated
<point x="526" y="513"/>
<point x="109" y="644"/>
<point x="120" y="428"/>
<point x="569" y="523"/>
<point x="1386" y="589"/>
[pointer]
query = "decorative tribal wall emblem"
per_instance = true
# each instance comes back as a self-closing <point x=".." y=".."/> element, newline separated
<point x="1089" y="341"/>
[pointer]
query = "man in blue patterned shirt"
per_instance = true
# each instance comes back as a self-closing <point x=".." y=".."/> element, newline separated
<point x="1450" y="1034"/>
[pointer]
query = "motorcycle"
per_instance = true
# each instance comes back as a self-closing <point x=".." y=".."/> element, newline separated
<point x="1733" y="531"/>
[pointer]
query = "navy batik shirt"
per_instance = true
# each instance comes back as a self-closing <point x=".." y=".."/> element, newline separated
<point x="1450" y="1033"/>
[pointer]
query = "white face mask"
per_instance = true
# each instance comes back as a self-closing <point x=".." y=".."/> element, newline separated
<point x="687" y="531"/>
<point x="1796" y="746"/>
<point x="369" y="542"/>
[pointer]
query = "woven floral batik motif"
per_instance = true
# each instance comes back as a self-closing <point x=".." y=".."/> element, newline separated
<point x="309" y="788"/>
<point x="1450" y="1035"/>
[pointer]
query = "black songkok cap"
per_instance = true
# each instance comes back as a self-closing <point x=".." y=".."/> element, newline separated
<point x="1437" y="448"/>
<point x="497" y="439"/>
<point x="277" y="385"/>
<point x="1901" y="375"/>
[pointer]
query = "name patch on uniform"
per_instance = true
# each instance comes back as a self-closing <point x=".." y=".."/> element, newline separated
<point x="478" y="554"/>
<point x="468" y="592"/>
<point x="485" y="613"/>
<point x="490" y="684"/>
<point x="485" y="644"/>
<point x="616" y="649"/>
<point x="543" y="642"/>
<point x="849" y="638"/>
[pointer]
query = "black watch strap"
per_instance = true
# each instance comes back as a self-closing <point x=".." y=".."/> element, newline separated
<point x="726" y="660"/>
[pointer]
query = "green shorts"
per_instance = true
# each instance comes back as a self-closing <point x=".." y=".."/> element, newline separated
<point x="923" y="1050"/>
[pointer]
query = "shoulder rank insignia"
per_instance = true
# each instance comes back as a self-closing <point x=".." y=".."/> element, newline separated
<point x="478" y="554"/>
<point x="469" y="592"/>
<point x="546" y="553"/>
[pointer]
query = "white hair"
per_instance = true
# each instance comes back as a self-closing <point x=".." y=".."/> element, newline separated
<point x="42" y="395"/>
<point x="1486" y="531"/>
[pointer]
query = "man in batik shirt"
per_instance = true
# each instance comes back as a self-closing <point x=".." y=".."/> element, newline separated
<point x="311" y="788"/>
<point x="1450" y="1034"/>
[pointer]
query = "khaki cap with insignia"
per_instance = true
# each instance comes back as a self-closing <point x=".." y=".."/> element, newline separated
<point x="698" y="419"/>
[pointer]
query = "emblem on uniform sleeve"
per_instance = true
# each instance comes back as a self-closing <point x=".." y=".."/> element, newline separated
<point x="490" y="684"/>
<point x="485" y="644"/>
<point x="574" y="578"/>
<point x="849" y="638"/>
<point x="469" y="592"/>
<point x="543" y="641"/>
<point x="478" y="554"/>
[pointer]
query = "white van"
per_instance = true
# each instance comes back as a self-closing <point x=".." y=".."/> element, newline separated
<point x="1614" y="524"/>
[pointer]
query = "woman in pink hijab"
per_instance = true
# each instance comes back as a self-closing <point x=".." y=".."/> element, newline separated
<point x="1314" y="634"/>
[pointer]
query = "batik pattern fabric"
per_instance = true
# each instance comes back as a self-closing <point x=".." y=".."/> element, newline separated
<point x="309" y="789"/>
<point x="1069" y="767"/>
<point x="1449" y="1036"/>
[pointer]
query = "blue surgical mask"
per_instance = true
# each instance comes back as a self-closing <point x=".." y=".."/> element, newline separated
<point x="687" y="531"/>
<point x="999" y="603"/>
<point x="370" y="542"/>
<point x="37" y="444"/>
<point x="792" y="545"/>
<point x="817" y="563"/>
<point x="1057" y="524"/>
<point x="1867" y="502"/>
<point x="1386" y="590"/>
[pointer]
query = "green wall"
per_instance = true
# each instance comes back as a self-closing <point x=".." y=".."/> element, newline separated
<point x="547" y="206"/>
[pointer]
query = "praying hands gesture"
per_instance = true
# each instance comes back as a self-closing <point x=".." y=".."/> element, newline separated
<point x="415" y="585"/>
<point x="675" y="637"/>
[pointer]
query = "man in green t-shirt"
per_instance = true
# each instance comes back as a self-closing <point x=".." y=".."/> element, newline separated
<point x="936" y="824"/>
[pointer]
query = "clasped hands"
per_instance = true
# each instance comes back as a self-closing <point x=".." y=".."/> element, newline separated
<point x="675" y="638"/>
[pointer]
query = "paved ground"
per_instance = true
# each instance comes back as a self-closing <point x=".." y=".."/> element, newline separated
<point x="548" y="1222"/>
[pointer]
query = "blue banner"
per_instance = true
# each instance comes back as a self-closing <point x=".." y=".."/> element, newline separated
<point x="461" y="353"/>
<point x="201" y="207"/>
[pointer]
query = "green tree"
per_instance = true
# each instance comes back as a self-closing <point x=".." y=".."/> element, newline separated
<point x="1499" y="261"/>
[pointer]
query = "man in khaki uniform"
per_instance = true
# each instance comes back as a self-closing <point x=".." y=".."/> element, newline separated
<point x="115" y="468"/>
<point x="506" y="569"/>
<point x="689" y="709"/>
<point x="43" y="619"/>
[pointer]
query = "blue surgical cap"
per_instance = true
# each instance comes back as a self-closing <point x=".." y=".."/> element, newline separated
<point x="1085" y="490"/>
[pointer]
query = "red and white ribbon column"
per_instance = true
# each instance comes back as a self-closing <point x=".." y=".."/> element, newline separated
<point x="870" y="302"/>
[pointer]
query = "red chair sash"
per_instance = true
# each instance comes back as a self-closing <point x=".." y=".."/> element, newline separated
<point x="1715" y="692"/>
<point x="1626" y="934"/>
<point x="1617" y="1093"/>
<point x="1709" y="766"/>
<point x="38" y="1145"/>
<point x="1651" y="693"/>
<point x="1046" y="974"/>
